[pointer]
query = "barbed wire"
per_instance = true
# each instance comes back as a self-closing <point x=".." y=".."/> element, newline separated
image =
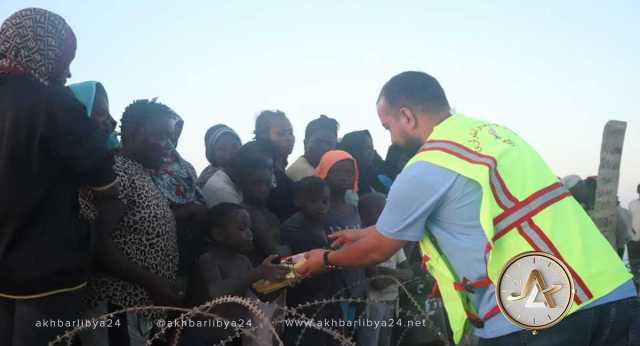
<point x="291" y="315"/>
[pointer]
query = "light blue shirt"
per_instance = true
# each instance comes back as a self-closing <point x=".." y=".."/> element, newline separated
<point x="426" y="196"/>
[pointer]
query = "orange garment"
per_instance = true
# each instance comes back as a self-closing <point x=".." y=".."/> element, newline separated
<point x="329" y="159"/>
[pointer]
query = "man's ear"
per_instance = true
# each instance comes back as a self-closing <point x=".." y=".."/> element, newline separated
<point x="408" y="118"/>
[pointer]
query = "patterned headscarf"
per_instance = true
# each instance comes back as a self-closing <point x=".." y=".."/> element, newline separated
<point x="35" y="42"/>
<point x="213" y="135"/>
<point x="176" y="179"/>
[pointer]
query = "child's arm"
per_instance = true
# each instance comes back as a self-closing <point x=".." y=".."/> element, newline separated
<point x="218" y="286"/>
<point x="265" y="237"/>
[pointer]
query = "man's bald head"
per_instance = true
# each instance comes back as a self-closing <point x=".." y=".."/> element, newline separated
<point x="415" y="90"/>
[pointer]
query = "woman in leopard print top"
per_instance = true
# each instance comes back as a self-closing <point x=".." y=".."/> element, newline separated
<point x="138" y="260"/>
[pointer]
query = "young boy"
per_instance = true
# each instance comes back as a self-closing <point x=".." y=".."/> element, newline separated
<point x="339" y="169"/>
<point x="255" y="180"/>
<point x="302" y="232"/>
<point x="254" y="176"/>
<point x="224" y="269"/>
<point x="383" y="292"/>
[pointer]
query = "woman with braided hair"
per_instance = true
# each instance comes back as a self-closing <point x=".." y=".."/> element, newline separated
<point x="139" y="258"/>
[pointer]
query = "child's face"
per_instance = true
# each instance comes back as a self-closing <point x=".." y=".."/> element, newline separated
<point x="341" y="176"/>
<point x="315" y="206"/>
<point x="256" y="187"/>
<point x="281" y="135"/>
<point x="224" y="149"/>
<point x="237" y="233"/>
<point x="318" y="144"/>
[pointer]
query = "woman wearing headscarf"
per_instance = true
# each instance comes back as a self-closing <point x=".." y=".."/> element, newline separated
<point x="94" y="98"/>
<point x="49" y="148"/>
<point x="221" y="144"/>
<point x="176" y="179"/>
<point x="360" y="145"/>
<point x="96" y="103"/>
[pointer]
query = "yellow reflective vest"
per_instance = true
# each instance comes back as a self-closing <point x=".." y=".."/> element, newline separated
<point x="523" y="208"/>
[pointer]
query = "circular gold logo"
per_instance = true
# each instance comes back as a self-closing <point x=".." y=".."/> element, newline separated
<point x="535" y="290"/>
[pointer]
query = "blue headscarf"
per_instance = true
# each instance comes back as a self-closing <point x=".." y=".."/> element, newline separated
<point x="85" y="92"/>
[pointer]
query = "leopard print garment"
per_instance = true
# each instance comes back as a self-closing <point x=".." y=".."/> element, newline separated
<point x="146" y="234"/>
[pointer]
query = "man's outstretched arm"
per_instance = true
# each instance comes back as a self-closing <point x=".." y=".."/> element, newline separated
<point x="368" y="248"/>
<point x="415" y="194"/>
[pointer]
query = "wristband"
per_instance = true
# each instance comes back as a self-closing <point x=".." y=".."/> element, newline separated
<point x="325" y="258"/>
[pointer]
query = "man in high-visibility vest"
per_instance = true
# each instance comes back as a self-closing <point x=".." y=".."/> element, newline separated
<point x="475" y="196"/>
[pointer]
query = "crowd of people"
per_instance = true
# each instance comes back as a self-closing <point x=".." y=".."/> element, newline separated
<point x="94" y="222"/>
<point x="112" y="223"/>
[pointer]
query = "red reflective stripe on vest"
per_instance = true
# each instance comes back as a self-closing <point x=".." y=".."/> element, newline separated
<point x="528" y="208"/>
<point x="425" y="259"/>
<point x="494" y="311"/>
<point x="502" y="195"/>
<point x="473" y="316"/>
<point x="526" y="201"/>
<point x="491" y="313"/>
<point x="435" y="291"/>
<point x="582" y="291"/>
<point x="465" y="284"/>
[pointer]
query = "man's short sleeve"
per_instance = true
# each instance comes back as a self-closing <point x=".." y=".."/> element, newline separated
<point x="417" y="192"/>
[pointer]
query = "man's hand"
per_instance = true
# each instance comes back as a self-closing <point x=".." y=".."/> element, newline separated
<point x="346" y="237"/>
<point x="314" y="263"/>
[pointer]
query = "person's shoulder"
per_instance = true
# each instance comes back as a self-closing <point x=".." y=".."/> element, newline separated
<point x="294" y="222"/>
<point x="219" y="180"/>
<point x="420" y="167"/>
<point x="213" y="258"/>
<point x="299" y="169"/>
<point x="295" y="163"/>
<point x="21" y="82"/>
<point x="208" y="257"/>
<point x="186" y="164"/>
<point x="125" y="166"/>
<point x="221" y="176"/>
<point x="49" y="95"/>
<point x="63" y="94"/>
<point x="423" y="173"/>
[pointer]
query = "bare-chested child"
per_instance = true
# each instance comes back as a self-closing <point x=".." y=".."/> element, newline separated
<point x="224" y="269"/>
<point x="255" y="180"/>
<point x="256" y="183"/>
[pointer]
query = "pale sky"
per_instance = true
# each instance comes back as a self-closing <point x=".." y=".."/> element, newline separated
<point x="552" y="71"/>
